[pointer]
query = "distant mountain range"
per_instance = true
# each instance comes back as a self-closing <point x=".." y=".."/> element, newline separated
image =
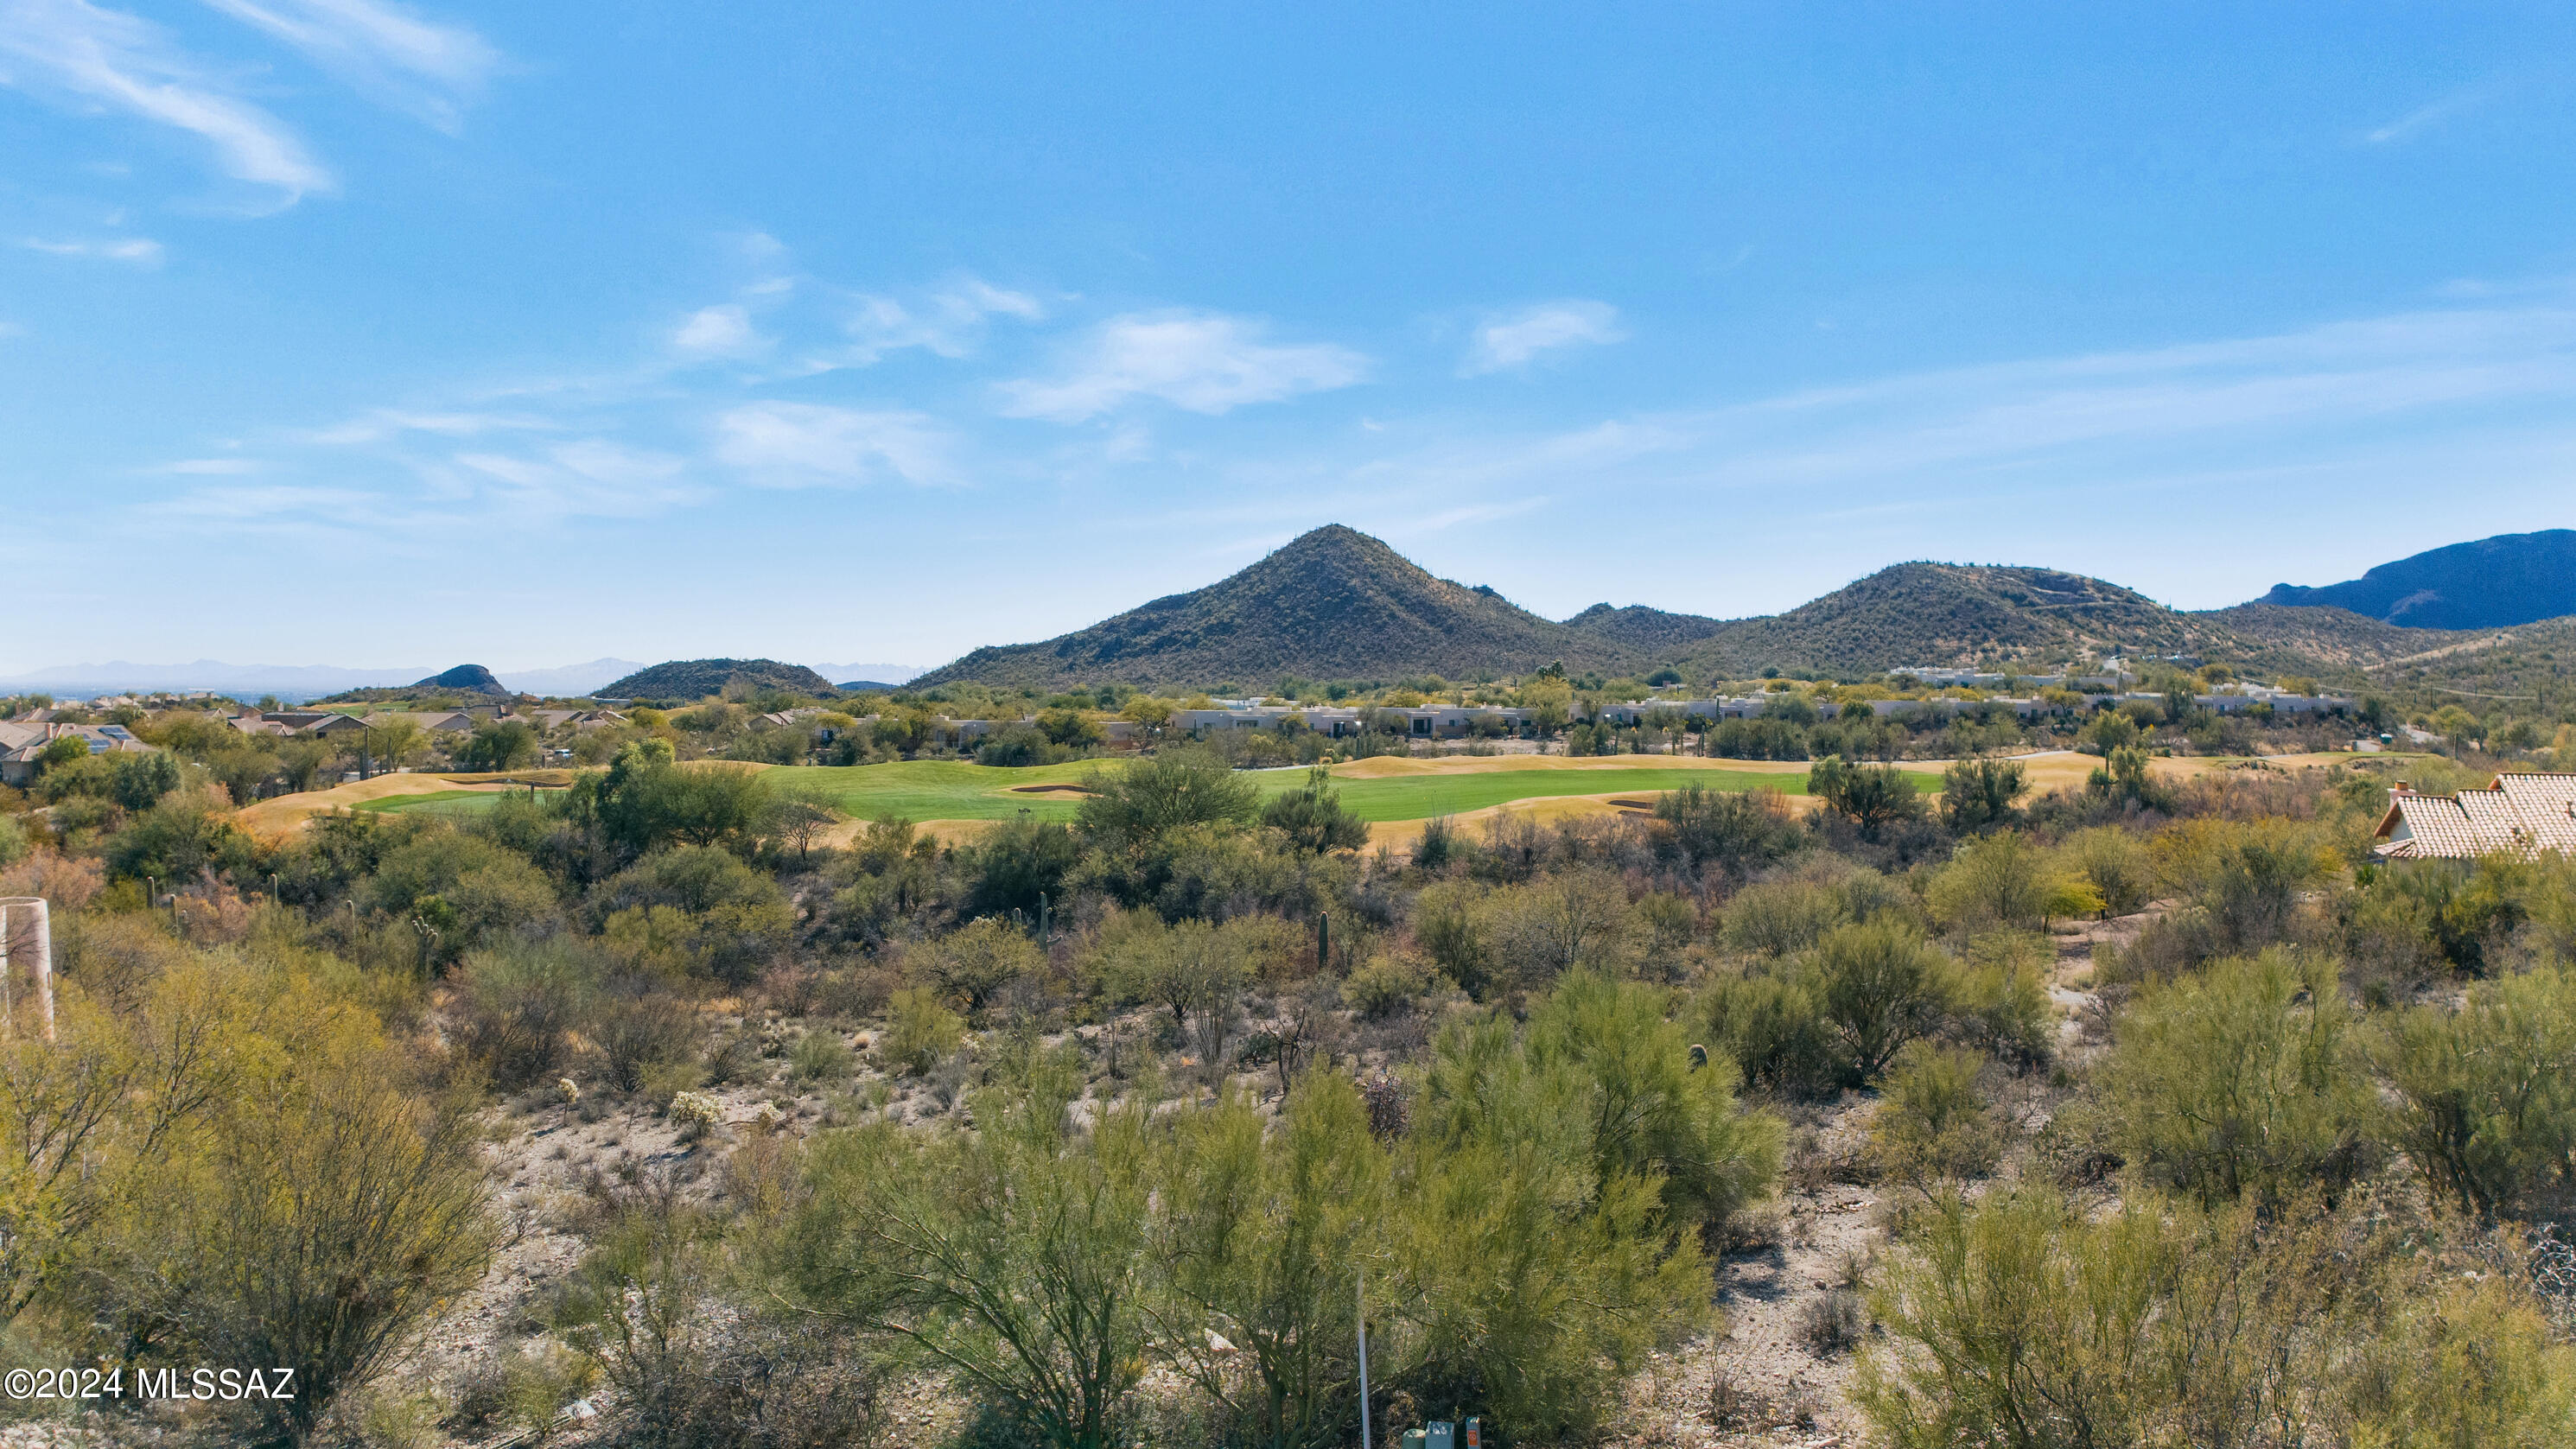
<point x="296" y="680"/>
<point x="312" y="681"/>
<point x="1338" y="604"/>
<point x="2512" y="578"/>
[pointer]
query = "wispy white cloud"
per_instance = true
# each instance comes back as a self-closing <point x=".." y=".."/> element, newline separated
<point x="381" y="424"/>
<point x="210" y="467"/>
<point x="799" y="445"/>
<point x="73" y="50"/>
<point x="947" y="321"/>
<point x="1512" y="341"/>
<point x="139" y="251"/>
<point x="421" y="66"/>
<point x="593" y="477"/>
<point x="723" y="331"/>
<point x="1205" y="362"/>
<point x="2433" y="114"/>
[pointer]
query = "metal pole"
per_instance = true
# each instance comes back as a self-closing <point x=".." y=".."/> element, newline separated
<point x="1364" y="1389"/>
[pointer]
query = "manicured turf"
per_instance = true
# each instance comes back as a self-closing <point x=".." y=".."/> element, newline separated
<point x="952" y="790"/>
<point x="443" y="802"/>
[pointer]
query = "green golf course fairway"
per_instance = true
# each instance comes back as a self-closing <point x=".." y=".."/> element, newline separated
<point x="954" y="790"/>
<point x="444" y="802"/>
<point x="957" y="790"/>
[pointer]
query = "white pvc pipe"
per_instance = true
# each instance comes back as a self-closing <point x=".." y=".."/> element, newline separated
<point x="40" y="938"/>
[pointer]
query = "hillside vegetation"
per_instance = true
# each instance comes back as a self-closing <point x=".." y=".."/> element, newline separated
<point x="1337" y="604"/>
<point x="694" y="679"/>
<point x="1333" y="604"/>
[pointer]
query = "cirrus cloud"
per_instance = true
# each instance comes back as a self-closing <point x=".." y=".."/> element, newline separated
<point x="1511" y="341"/>
<point x="806" y="445"/>
<point x="1205" y="362"/>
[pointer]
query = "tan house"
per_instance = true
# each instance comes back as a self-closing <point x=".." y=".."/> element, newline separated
<point x="2515" y="814"/>
<point x="21" y="745"/>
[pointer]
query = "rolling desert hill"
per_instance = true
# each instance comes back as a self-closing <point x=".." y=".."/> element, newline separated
<point x="688" y="680"/>
<point x="1331" y="604"/>
<point x="1338" y="604"/>
<point x="2512" y="578"/>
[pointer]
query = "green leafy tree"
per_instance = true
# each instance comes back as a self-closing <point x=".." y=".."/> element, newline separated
<point x="1872" y="797"/>
<point x="1132" y="808"/>
<point x="1020" y="863"/>
<point x="970" y="966"/>
<point x="1981" y="794"/>
<point x="505" y="744"/>
<point x="1313" y="817"/>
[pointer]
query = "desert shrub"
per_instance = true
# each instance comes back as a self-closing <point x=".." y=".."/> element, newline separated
<point x="704" y="910"/>
<point x="467" y="890"/>
<point x="188" y="832"/>
<point x="2000" y="879"/>
<point x="695" y="1367"/>
<point x="2000" y="1005"/>
<point x="1436" y="846"/>
<point x="1979" y="794"/>
<point x="1262" y="1234"/>
<point x="1533" y="1271"/>
<point x="1657" y="1114"/>
<point x="520" y="1004"/>
<point x="1932" y="1123"/>
<point x="1872" y="797"/>
<point x="1019" y="864"/>
<point x="1771" y="1026"/>
<point x="2239" y="1081"/>
<point x="1448" y="923"/>
<point x="2244" y="878"/>
<point x="1567" y="921"/>
<point x="968" y="967"/>
<point x="1736" y="830"/>
<point x="2115" y="863"/>
<point x="1388" y="985"/>
<point x="1879" y="985"/>
<point x="1775" y="918"/>
<point x="1832" y="1322"/>
<point x="820" y="1056"/>
<point x="319" y="1221"/>
<point x="641" y="1037"/>
<point x="908" y="1235"/>
<point x="2465" y="1363"/>
<point x="2020" y="1320"/>
<point x="2483" y="1099"/>
<point x="922" y="1032"/>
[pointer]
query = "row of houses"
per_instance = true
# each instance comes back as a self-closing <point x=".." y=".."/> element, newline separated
<point x="314" y="724"/>
<point x="22" y="744"/>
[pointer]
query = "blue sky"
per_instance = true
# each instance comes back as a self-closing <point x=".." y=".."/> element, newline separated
<point x="346" y="331"/>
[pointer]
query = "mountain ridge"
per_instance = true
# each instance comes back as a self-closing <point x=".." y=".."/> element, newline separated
<point x="1337" y="604"/>
<point x="2485" y="583"/>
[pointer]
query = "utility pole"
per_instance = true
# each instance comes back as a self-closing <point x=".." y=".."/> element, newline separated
<point x="1364" y="1389"/>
